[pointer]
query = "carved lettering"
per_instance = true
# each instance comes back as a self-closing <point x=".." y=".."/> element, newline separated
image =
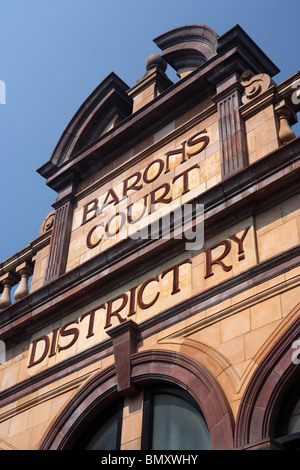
<point x="91" y="314"/>
<point x="185" y="176"/>
<point x="161" y="165"/>
<point x="33" y="361"/>
<point x="135" y="182"/>
<point x="111" y="197"/>
<point x="89" y="242"/>
<point x="53" y="342"/>
<point x="127" y="304"/>
<point x="74" y="332"/>
<point x="240" y="242"/>
<point x="175" y="271"/>
<point x="140" y="300"/>
<point x="133" y="186"/>
<point x="175" y="152"/>
<point x="156" y="199"/>
<point x="90" y="207"/>
<point x="115" y="313"/>
<point x="210" y="261"/>
<point x="194" y="141"/>
<point x="118" y="228"/>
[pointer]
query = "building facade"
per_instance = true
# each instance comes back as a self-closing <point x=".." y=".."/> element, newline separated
<point x="163" y="307"/>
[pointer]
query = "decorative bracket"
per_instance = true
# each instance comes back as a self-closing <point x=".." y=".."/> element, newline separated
<point x="124" y="337"/>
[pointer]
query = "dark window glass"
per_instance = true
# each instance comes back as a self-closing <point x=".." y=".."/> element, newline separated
<point x="172" y="421"/>
<point x="105" y="437"/>
<point x="294" y="420"/>
<point x="288" y="426"/>
<point x="105" y="431"/>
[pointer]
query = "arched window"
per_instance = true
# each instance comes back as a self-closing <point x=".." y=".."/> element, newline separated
<point x="173" y="421"/>
<point x="104" y="433"/>
<point x="288" y="428"/>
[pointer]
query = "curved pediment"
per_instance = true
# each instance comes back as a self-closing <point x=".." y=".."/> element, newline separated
<point x="106" y="107"/>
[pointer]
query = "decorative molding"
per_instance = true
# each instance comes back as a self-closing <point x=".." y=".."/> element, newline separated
<point x="47" y="223"/>
<point x="110" y="93"/>
<point x="25" y="254"/>
<point x="188" y="47"/>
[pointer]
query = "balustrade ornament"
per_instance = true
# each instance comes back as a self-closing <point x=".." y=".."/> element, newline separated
<point x="25" y="270"/>
<point x="7" y="281"/>
<point x="284" y="114"/>
<point x="19" y="275"/>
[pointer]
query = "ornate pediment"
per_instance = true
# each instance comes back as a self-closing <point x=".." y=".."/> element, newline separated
<point x="105" y="108"/>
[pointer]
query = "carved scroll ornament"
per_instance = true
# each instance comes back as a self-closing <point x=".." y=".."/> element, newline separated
<point x="254" y="85"/>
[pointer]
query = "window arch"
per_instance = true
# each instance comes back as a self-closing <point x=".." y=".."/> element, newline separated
<point x="171" y="420"/>
<point x="147" y="367"/>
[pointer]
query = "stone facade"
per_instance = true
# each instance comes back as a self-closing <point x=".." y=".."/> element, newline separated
<point x="108" y="312"/>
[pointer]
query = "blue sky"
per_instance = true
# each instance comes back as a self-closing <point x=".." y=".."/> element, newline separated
<point x="53" y="54"/>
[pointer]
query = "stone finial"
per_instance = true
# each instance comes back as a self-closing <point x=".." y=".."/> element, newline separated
<point x="254" y="85"/>
<point x="155" y="61"/>
<point x="151" y="84"/>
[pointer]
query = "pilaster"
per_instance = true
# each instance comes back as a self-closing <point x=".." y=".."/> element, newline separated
<point x="60" y="237"/>
<point x="233" y="147"/>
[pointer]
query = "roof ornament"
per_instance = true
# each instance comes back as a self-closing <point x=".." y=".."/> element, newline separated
<point x="188" y="47"/>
